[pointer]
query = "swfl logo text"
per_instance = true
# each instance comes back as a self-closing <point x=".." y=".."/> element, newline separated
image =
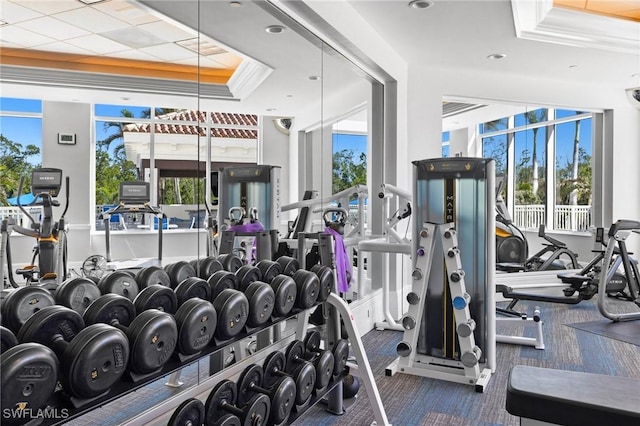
<point x="22" y="412"/>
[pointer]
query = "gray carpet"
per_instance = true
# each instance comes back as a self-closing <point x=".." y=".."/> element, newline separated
<point x="627" y="331"/>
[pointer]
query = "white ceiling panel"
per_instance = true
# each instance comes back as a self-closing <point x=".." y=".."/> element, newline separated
<point x="167" y="31"/>
<point x="62" y="47"/>
<point x="49" y="7"/>
<point x="134" y="37"/>
<point x="13" y="13"/>
<point x="126" y="11"/>
<point x="22" y="37"/>
<point x="135" y="55"/>
<point x="98" y="44"/>
<point x="53" y="28"/>
<point x="224" y="60"/>
<point x="168" y="52"/>
<point x="91" y="20"/>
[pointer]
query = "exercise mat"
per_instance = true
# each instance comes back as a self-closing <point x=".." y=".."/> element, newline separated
<point x="625" y="331"/>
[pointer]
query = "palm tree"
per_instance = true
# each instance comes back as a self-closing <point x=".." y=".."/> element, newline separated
<point x="573" y="196"/>
<point x="533" y="117"/>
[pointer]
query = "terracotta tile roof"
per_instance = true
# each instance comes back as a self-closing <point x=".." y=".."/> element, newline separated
<point x="220" y="118"/>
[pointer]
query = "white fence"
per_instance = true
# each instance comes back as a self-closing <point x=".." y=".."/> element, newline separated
<point x="565" y="218"/>
<point x="21" y="218"/>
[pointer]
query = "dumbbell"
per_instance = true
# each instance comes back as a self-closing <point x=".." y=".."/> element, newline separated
<point x="192" y="287"/>
<point x="308" y="286"/>
<point x="29" y="378"/>
<point x="282" y="394"/>
<point x="326" y="280"/>
<point x="247" y="274"/>
<point x="289" y="265"/>
<point x="23" y="302"/>
<point x="206" y="266"/>
<point x="189" y="413"/>
<point x="230" y="262"/>
<point x="295" y="356"/>
<point x="340" y="350"/>
<point x="92" y="358"/>
<point x="269" y="269"/>
<point x="152" y="275"/>
<point x="286" y="292"/>
<point x="261" y="299"/>
<point x="221" y="402"/>
<point x="119" y="282"/>
<point x="179" y="271"/>
<point x="304" y="375"/>
<point x="7" y="339"/>
<point x="78" y="293"/>
<point x="152" y="334"/>
<point x="222" y="280"/>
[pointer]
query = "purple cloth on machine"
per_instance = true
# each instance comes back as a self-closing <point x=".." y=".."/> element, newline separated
<point x="249" y="227"/>
<point x="342" y="261"/>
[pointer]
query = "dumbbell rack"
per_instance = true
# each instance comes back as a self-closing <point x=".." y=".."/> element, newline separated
<point x="159" y="414"/>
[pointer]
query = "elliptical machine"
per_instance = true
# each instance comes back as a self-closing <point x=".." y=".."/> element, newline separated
<point x="51" y="247"/>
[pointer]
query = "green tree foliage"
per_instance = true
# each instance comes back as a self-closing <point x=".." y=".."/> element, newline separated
<point x="14" y="163"/>
<point x="347" y="170"/>
<point x="582" y="185"/>
<point x="191" y="191"/>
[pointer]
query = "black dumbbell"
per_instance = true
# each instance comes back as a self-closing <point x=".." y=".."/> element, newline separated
<point x="77" y="293"/>
<point x="232" y="307"/>
<point x="327" y="281"/>
<point x="152" y="275"/>
<point x="189" y="413"/>
<point x="7" y="339"/>
<point x="23" y="302"/>
<point x="308" y="286"/>
<point x="323" y="362"/>
<point x="179" y="271"/>
<point x="222" y="400"/>
<point x="269" y="269"/>
<point x="289" y="265"/>
<point x="152" y="334"/>
<point x="286" y="292"/>
<point x="119" y="282"/>
<point x="247" y="274"/>
<point x="282" y="394"/>
<point x="304" y="375"/>
<point x="192" y="287"/>
<point x="230" y="262"/>
<point x="206" y="266"/>
<point x="29" y="378"/>
<point x="261" y="303"/>
<point x="340" y="350"/>
<point x="222" y="280"/>
<point x="92" y="358"/>
<point x="156" y="297"/>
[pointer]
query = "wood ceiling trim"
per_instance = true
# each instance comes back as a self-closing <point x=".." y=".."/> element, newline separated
<point x="108" y="65"/>
<point x="629" y="10"/>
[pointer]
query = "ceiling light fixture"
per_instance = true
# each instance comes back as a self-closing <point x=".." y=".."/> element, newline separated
<point x="314" y="77"/>
<point x="235" y="4"/>
<point x="497" y="56"/>
<point x="635" y="75"/>
<point x="90" y="1"/>
<point x="573" y="67"/>
<point x="274" y="29"/>
<point x="420" y="4"/>
<point x="271" y="109"/>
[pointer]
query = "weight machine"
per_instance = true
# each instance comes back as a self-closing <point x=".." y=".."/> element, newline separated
<point x="50" y="235"/>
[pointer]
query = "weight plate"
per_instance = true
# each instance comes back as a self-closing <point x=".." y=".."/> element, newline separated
<point x="273" y="366"/>
<point x="246" y="275"/>
<point x="180" y="271"/>
<point x="23" y="302"/>
<point x="305" y="378"/>
<point x="340" y="355"/>
<point x="327" y="281"/>
<point x="288" y="264"/>
<point x="156" y="297"/>
<point x="312" y="342"/>
<point x="48" y="323"/>
<point x="119" y="282"/>
<point x="308" y="286"/>
<point x="192" y="287"/>
<point x="257" y="411"/>
<point x="261" y="302"/>
<point x="152" y="339"/>
<point x="222" y="280"/>
<point x="294" y="355"/>
<point x="324" y="368"/>
<point x="286" y="291"/>
<point x="94" y="360"/>
<point x="250" y="377"/>
<point x="110" y="309"/>
<point x="208" y="267"/>
<point x="282" y="400"/>
<point x="232" y="307"/>
<point x="29" y="377"/>
<point x="230" y="262"/>
<point x="189" y="413"/>
<point x="152" y="275"/>
<point x="222" y="395"/>
<point x="227" y="420"/>
<point x="196" y="321"/>
<point x="269" y="269"/>
<point x="77" y="293"/>
<point x="7" y="339"/>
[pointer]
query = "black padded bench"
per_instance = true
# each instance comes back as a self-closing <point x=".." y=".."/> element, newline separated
<point x="572" y="398"/>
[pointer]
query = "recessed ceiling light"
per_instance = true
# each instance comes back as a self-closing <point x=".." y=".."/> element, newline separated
<point x="289" y="96"/>
<point x="573" y="67"/>
<point x="274" y="29"/>
<point x="635" y="75"/>
<point x="125" y="98"/>
<point x="420" y="4"/>
<point x="314" y="77"/>
<point x="497" y="56"/>
<point x="235" y="4"/>
<point x="271" y="109"/>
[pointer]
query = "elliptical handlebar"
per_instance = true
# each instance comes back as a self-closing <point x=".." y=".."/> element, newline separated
<point x="22" y="209"/>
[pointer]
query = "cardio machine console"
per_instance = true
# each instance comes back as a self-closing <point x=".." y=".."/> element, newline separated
<point x="46" y="181"/>
<point x="134" y="193"/>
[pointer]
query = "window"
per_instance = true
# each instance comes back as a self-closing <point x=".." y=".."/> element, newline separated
<point x="545" y="156"/>
<point x="445" y="144"/>
<point x="349" y="155"/>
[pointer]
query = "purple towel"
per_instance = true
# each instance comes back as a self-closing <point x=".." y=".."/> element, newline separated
<point x="343" y="271"/>
<point x="249" y="227"/>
